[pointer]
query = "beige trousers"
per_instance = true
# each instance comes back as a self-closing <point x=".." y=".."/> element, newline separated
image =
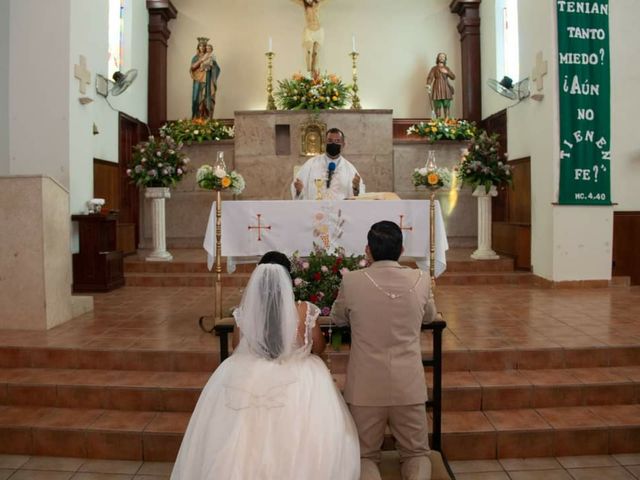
<point x="408" y="425"/>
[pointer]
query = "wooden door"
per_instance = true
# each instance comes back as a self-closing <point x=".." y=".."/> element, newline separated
<point x="131" y="131"/>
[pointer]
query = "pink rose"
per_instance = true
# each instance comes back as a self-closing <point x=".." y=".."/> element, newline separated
<point x="305" y="265"/>
<point x="344" y="271"/>
<point x="297" y="281"/>
<point x="324" y="269"/>
<point x="362" y="263"/>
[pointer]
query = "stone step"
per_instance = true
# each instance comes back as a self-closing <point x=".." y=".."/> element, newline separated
<point x="114" y="359"/>
<point x="456" y="264"/>
<point x="135" y="265"/>
<point x="184" y="279"/>
<point x="541" y="432"/>
<point x="91" y="433"/>
<point x="179" y="391"/>
<point x="156" y="436"/>
<point x="102" y="389"/>
<point x="486" y="278"/>
<point x="206" y="359"/>
<point x="240" y="279"/>
<point x="513" y="389"/>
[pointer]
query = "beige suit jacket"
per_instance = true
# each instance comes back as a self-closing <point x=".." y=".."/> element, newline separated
<point x="385" y="363"/>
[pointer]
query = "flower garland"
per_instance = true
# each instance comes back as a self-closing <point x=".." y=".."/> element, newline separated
<point x="197" y="130"/>
<point x="443" y="129"/>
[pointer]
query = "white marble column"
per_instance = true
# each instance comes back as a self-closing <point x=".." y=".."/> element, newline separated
<point x="157" y="195"/>
<point x="484" y="251"/>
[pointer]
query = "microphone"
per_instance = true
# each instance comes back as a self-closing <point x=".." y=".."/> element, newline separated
<point x="330" y="171"/>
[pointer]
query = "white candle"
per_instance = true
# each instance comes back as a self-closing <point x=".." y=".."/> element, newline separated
<point x="270" y="45"/>
<point x="353" y="43"/>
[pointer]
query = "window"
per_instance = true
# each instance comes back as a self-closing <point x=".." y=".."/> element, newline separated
<point x="507" y="48"/>
<point x="116" y="35"/>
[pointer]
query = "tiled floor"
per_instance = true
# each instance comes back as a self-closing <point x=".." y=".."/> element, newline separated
<point x="627" y="466"/>
<point x="20" y="467"/>
<point x="596" y="467"/>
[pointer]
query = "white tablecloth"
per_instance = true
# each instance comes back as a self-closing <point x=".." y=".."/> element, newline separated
<point x="289" y="226"/>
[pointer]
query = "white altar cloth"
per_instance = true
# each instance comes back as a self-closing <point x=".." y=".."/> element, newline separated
<point x="252" y="228"/>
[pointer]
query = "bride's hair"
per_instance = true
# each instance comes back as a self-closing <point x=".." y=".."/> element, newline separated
<point x="267" y="315"/>
<point x="277" y="258"/>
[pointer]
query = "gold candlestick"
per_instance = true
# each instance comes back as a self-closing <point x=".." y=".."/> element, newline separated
<point x="271" y="104"/>
<point x="355" y="100"/>
<point x="432" y="239"/>
<point x="218" y="309"/>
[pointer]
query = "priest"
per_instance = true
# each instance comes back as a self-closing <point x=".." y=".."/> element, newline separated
<point x="329" y="176"/>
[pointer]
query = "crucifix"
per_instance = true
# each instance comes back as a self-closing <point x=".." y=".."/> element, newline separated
<point x="403" y="227"/>
<point x="82" y="74"/>
<point x="539" y="71"/>
<point x="259" y="227"/>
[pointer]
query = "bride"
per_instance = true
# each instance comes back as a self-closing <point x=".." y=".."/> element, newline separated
<point x="271" y="411"/>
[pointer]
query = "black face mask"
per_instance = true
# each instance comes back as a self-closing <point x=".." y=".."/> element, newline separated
<point x="333" y="149"/>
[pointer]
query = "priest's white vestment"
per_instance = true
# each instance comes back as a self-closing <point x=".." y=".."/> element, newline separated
<point x="317" y="168"/>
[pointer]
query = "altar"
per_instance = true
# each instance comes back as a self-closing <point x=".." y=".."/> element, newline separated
<point x="252" y="228"/>
<point x="268" y="147"/>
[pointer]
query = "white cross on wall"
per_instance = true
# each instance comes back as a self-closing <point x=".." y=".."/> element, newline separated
<point x="82" y="74"/>
<point x="539" y="71"/>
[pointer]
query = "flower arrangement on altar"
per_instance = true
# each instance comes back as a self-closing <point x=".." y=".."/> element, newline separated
<point x="317" y="277"/>
<point x="443" y="129"/>
<point x="217" y="178"/>
<point x="197" y="130"/>
<point x="481" y="164"/>
<point x="316" y="92"/>
<point x="158" y="162"/>
<point x="435" y="177"/>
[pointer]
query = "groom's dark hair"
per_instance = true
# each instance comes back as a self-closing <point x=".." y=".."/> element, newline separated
<point x="385" y="241"/>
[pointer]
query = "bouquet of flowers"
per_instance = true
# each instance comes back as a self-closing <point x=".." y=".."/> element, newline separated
<point x="157" y="163"/>
<point x="217" y="178"/>
<point x="437" y="177"/>
<point x="196" y="130"/>
<point x="443" y="129"/>
<point x="481" y="164"/>
<point x="317" y="278"/>
<point x="312" y="93"/>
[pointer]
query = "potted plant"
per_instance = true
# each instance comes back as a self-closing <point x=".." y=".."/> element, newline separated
<point x="157" y="165"/>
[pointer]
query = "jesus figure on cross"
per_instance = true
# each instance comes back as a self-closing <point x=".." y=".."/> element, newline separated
<point x="313" y="34"/>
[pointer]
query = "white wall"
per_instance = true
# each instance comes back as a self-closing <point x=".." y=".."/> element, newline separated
<point x="397" y="41"/>
<point x="89" y="37"/>
<point x="39" y="73"/>
<point x="4" y="86"/>
<point x="567" y="243"/>
<point x="625" y="103"/>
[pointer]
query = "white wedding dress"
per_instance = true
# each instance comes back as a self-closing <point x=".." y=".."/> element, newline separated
<point x="270" y="419"/>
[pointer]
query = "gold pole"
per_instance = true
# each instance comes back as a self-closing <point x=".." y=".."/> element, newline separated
<point x="218" y="305"/>
<point x="271" y="104"/>
<point x="355" y="100"/>
<point x="432" y="239"/>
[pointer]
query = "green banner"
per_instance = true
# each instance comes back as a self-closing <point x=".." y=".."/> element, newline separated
<point x="585" y="109"/>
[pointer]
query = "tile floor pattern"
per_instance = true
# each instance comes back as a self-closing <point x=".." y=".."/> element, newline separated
<point x="600" y="467"/>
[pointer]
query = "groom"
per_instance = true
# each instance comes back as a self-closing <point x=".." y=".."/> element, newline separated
<point x="385" y="305"/>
